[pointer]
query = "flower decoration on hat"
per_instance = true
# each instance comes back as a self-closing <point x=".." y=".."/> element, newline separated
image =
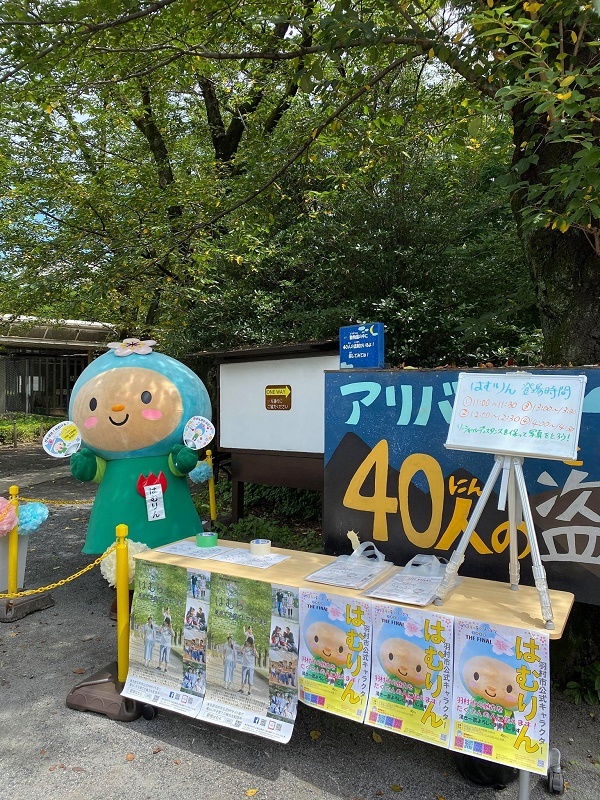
<point x="130" y="346"/>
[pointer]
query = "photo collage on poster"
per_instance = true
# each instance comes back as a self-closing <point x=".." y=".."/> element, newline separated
<point x="232" y="650"/>
<point x="195" y="628"/>
<point x="283" y="653"/>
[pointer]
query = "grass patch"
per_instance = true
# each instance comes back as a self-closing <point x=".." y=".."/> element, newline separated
<point x="29" y="427"/>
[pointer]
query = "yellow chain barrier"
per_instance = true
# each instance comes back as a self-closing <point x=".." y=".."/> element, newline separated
<point x="64" y="580"/>
<point x="55" y="502"/>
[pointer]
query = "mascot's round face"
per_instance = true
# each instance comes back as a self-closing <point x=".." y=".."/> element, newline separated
<point x="493" y="680"/>
<point x="127" y="409"/>
<point x="327" y="642"/>
<point x="404" y="661"/>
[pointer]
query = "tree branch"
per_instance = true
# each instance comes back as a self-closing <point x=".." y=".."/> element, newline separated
<point x="89" y="28"/>
<point x="260" y="55"/>
<point x="146" y="124"/>
<point x="226" y="142"/>
<point x="301" y="150"/>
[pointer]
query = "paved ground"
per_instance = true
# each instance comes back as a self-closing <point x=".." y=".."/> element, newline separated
<point x="49" y="752"/>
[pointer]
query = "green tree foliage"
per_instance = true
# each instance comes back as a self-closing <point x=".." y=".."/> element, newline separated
<point x="229" y="174"/>
<point x="395" y="216"/>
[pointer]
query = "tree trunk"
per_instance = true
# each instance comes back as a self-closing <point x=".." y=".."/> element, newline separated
<point x="566" y="275"/>
<point x="565" y="267"/>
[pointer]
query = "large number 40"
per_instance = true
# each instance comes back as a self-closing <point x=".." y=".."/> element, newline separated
<point x="380" y="504"/>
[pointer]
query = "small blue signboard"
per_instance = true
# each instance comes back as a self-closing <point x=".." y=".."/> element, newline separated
<point x="361" y="346"/>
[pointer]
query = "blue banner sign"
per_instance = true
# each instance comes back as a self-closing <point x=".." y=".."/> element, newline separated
<point x="389" y="477"/>
<point x="361" y="346"/>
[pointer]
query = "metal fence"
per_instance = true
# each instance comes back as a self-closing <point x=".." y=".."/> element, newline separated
<point x="38" y="384"/>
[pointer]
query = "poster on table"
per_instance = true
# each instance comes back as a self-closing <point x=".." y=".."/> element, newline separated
<point x="411" y="673"/>
<point x="215" y="648"/>
<point x="501" y="694"/>
<point x="389" y="477"/>
<point x="161" y="672"/>
<point x="250" y="684"/>
<point x="335" y="653"/>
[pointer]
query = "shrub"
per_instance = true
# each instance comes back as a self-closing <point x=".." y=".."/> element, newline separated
<point x="29" y="427"/>
<point x="292" y="538"/>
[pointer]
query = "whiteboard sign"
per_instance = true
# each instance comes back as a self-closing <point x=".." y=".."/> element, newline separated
<point x="517" y="413"/>
<point x="252" y="416"/>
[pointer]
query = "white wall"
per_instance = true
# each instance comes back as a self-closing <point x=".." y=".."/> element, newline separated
<point x="246" y="424"/>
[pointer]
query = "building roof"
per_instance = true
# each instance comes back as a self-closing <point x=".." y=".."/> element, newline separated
<point x="65" y="334"/>
<point x="297" y="349"/>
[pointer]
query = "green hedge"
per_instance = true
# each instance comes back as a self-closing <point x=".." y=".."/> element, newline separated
<point x="29" y="427"/>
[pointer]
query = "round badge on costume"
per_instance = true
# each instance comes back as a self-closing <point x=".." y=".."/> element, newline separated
<point x="62" y="440"/>
<point x="198" y="432"/>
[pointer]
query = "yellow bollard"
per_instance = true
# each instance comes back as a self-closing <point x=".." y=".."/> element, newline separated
<point x="122" y="552"/>
<point x="13" y="546"/>
<point x="212" y="499"/>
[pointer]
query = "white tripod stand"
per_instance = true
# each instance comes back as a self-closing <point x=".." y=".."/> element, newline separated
<point x="512" y="486"/>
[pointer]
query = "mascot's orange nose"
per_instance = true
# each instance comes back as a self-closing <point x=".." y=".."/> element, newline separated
<point x="118" y="408"/>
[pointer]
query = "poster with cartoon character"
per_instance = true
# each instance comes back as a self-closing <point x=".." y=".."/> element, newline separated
<point x="501" y="694"/>
<point x="335" y="653"/>
<point x="411" y="675"/>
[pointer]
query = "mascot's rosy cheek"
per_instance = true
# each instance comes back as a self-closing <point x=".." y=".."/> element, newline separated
<point x="131" y="406"/>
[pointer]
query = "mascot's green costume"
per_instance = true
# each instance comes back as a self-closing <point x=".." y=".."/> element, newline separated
<point x="131" y="406"/>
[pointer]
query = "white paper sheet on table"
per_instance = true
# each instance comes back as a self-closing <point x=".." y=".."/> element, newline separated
<point x="246" y="559"/>
<point x="351" y="573"/>
<point x="191" y="550"/>
<point x="416" y="590"/>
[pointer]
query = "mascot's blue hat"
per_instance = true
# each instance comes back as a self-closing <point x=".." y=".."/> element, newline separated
<point x="194" y="396"/>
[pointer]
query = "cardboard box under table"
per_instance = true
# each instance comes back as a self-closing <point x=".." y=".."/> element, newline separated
<point x="486" y="602"/>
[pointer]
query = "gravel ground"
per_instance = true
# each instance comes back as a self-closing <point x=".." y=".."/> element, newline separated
<point x="50" y="752"/>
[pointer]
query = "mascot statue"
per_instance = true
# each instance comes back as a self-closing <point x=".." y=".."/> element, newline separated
<point x="131" y="406"/>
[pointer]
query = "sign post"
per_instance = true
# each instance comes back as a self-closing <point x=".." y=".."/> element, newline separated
<point x="362" y="346"/>
<point x="513" y="416"/>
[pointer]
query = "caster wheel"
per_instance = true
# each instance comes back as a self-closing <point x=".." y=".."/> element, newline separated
<point x="556" y="782"/>
<point x="149" y="712"/>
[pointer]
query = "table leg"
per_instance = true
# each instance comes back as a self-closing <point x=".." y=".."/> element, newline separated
<point x="524" y="779"/>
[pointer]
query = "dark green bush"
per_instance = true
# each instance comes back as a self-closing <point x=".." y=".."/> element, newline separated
<point x="292" y="538"/>
<point x="587" y="688"/>
<point x="299" y="504"/>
